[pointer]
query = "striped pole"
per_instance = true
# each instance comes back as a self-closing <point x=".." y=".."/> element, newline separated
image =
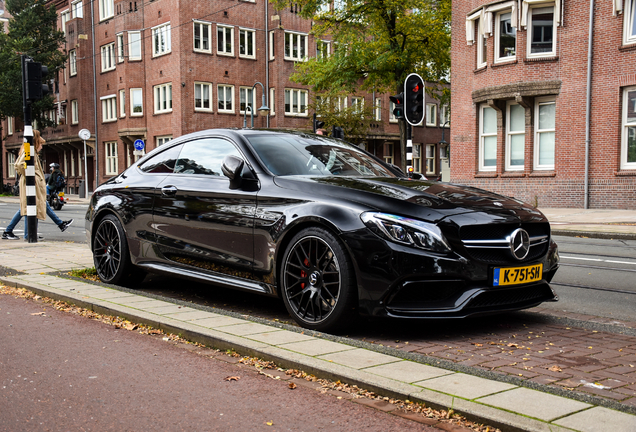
<point x="29" y="157"/>
<point x="409" y="150"/>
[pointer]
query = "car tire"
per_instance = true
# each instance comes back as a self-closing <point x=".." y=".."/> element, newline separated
<point x="111" y="255"/>
<point x="317" y="281"/>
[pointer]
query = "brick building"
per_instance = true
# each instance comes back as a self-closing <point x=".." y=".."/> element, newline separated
<point x="166" y="68"/>
<point x="519" y="98"/>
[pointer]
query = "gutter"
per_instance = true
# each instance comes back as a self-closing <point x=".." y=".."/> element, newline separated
<point x="588" y="109"/>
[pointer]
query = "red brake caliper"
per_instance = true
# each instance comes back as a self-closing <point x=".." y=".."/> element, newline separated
<point x="303" y="274"/>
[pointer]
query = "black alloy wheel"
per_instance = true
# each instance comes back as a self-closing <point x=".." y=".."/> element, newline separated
<point x="111" y="255"/>
<point x="318" y="287"/>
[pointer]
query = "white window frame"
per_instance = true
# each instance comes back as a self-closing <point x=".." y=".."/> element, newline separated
<point x="537" y="132"/>
<point x="9" y="125"/>
<point x="272" y="44"/>
<point x="224" y="90"/>
<point x="244" y="94"/>
<point x="111" y="161"/>
<point x="530" y="32"/>
<point x="226" y="30"/>
<point x="72" y="163"/>
<point x="509" y="135"/>
<point x="626" y="124"/>
<point x="201" y="86"/>
<point x="120" y="47"/>
<point x="161" y="40"/>
<point x="11" y="164"/>
<point x="498" y="37"/>
<point x="65" y="158"/>
<point x="392" y="118"/>
<point x="431" y="114"/>
<point x="430" y="158"/>
<point x="629" y="22"/>
<point x="482" y="137"/>
<point x="357" y="104"/>
<point x="77" y="9"/>
<point x="323" y="49"/>
<point x="388" y="158"/>
<point x="243" y="33"/>
<point x="108" y="57"/>
<point x="109" y="108"/>
<point x="134" y="45"/>
<point x="294" y="110"/>
<point x="106" y="9"/>
<point x="377" y="109"/>
<point x="65" y="17"/>
<point x="72" y="62"/>
<point x="481" y="43"/>
<point x="74" y="112"/>
<point x="161" y="140"/>
<point x="272" y="101"/>
<point x="201" y="25"/>
<point x="122" y="103"/>
<point x="298" y="42"/>
<point x="444" y="117"/>
<point x="134" y="113"/>
<point x="162" y="98"/>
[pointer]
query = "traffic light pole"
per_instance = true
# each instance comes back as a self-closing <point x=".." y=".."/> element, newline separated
<point x="409" y="149"/>
<point x="29" y="157"/>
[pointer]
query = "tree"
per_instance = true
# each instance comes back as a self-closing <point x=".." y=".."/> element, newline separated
<point x="32" y="31"/>
<point x="377" y="43"/>
<point x="354" y="120"/>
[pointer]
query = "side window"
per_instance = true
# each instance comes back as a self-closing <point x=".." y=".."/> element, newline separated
<point x="205" y="156"/>
<point x="163" y="162"/>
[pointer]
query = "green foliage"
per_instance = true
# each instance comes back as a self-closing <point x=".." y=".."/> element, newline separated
<point x="32" y="31"/>
<point x="354" y="121"/>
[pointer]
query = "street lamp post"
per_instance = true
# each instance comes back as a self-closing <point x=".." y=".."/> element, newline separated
<point x="443" y="144"/>
<point x="264" y="109"/>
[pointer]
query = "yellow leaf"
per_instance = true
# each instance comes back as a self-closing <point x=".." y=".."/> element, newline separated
<point x="269" y="423"/>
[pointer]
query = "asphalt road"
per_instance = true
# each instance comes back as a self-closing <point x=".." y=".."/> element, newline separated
<point x="61" y="372"/>
<point x="47" y="228"/>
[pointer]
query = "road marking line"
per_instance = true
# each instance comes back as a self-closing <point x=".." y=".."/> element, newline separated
<point x="598" y="260"/>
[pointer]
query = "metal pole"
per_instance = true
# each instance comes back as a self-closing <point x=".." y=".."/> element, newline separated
<point x="588" y="109"/>
<point x="85" y="171"/>
<point x="94" y="104"/>
<point x="29" y="157"/>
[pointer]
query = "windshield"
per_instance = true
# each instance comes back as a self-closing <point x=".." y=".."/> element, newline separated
<point x="305" y="155"/>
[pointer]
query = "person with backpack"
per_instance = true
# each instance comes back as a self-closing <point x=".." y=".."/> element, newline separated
<point x="56" y="182"/>
<point x="42" y="206"/>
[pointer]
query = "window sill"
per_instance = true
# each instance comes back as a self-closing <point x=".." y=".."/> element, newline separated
<point x="201" y="51"/>
<point x="108" y="70"/>
<point x="163" y="112"/>
<point x="154" y="56"/>
<point x="225" y="54"/>
<point x="225" y="112"/>
<point x="202" y="110"/>
<point x="627" y="47"/>
<point x="109" y="121"/>
<point x="626" y="172"/>
<point x="484" y="174"/>
<point x="513" y="174"/>
<point x="247" y="57"/>
<point x="504" y="63"/>
<point x="546" y="173"/>
<point x="547" y="59"/>
<point x="480" y="69"/>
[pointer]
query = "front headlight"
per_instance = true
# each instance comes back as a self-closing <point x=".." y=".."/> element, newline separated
<point x="406" y="231"/>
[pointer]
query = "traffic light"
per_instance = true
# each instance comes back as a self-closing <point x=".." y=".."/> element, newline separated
<point x="337" y="132"/>
<point x="398" y="101"/>
<point x="318" y="125"/>
<point x="33" y="81"/>
<point x="414" y="99"/>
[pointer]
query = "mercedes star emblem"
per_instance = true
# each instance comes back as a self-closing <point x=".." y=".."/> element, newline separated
<point x="520" y="243"/>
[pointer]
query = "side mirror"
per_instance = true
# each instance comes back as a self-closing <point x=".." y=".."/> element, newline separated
<point x="232" y="168"/>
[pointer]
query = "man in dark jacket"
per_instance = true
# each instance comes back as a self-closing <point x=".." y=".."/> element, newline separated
<point x="55" y="173"/>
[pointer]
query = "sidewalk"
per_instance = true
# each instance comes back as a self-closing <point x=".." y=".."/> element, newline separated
<point x="493" y="402"/>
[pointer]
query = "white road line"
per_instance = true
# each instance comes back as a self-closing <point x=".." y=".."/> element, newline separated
<point x="597" y="260"/>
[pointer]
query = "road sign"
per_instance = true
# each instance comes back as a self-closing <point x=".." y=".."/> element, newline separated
<point x="139" y="144"/>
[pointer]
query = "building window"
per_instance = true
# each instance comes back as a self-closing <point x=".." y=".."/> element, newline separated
<point x="629" y="22"/>
<point x="9" y="125"/>
<point x="295" y="102"/>
<point x="628" y="146"/>
<point x="108" y="57"/>
<point x="202" y="96"/>
<point x="322" y="49"/>
<point x="136" y="102"/>
<point x="487" y="139"/>
<point x="377" y="109"/>
<point x="122" y="103"/>
<point x="77" y="10"/>
<point x="295" y="46"/>
<point x="163" y="98"/>
<point x="417" y="158"/>
<point x="225" y="40"/>
<point x="272" y="101"/>
<point x="72" y="163"/>
<point x="72" y="62"/>
<point x="202" y="33"/>
<point x="444" y="115"/>
<point x="515" y="136"/>
<point x="357" y="104"/>
<point x="431" y="114"/>
<point x="542" y="32"/>
<point x="120" y="47"/>
<point x="247" y="43"/>
<point x="106" y="9"/>
<point x="225" y="93"/>
<point x="545" y="127"/>
<point x="246" y="98"/>
<point x="161" y="40"/>
<point x="134" y="45"/>
<point x="161" y="140"/>
<point x="392" y="118"/>
<point x="505" y="38"/>
<point x="65" y="16"/>
<point x="11" y="164"/>
<point x="388" y="153"/>
<point x="272" y="45"/>
<point x="430" y="158"/>
<point x="481" y="44"/>
<point x="109" y="108"/>
<point x="111" y="158"/>
<point x="341" y="103"/>
<point x="74" y="112"/>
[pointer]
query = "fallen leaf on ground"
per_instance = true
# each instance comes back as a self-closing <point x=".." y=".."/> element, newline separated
<point x="269" y="423"/>
<point x="555" y="368"/>
<point x="232" y="378"/>
<point x="292" y="385"/>
<point x="38" y="313"/>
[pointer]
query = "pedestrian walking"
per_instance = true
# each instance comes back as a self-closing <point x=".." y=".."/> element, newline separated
<point x="42" y="206"/>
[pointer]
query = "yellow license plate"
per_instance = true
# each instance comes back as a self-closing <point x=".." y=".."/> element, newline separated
<point x="517" y="275"/>
<point x="61" y="194"/>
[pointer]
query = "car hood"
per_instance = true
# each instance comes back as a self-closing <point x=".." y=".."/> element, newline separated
<point x="424" y="199"/>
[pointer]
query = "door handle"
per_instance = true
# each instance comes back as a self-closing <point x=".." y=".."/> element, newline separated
<point x="169" y="190"/>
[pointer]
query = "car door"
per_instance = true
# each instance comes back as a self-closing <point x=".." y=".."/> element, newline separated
<point x="198" y="219"/>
